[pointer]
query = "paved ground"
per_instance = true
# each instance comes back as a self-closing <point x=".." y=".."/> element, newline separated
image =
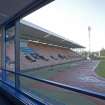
<point x="83" y="75"/>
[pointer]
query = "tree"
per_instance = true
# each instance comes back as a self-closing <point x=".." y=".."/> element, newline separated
<point x="102" y="52"/>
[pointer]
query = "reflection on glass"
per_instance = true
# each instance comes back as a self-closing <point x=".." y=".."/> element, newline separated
<point x="10" y="53"/>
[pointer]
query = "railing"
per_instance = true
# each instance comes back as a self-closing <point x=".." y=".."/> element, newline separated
<point x="63" y="86"/>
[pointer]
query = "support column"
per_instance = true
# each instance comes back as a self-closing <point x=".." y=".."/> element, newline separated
<point x="17" y="54"/>
<point x="3" y="53"/>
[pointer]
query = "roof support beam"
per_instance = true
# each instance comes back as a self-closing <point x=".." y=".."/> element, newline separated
<point x="17" y="54"/>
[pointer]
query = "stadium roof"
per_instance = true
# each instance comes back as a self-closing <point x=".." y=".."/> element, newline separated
<point x="33" y="32"/>
<point x="12" y="10"/>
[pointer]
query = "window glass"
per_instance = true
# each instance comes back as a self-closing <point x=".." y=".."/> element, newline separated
<point x="10" y="53"/>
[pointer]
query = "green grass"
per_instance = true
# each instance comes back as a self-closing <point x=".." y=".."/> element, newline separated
<point x="100" y="70"/>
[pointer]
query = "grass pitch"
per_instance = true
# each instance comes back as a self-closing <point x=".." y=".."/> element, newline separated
<point x="100" y="70"/>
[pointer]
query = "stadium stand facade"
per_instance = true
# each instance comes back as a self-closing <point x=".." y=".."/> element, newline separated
<point x="41" y="55"/>
<point x="35" y="54"/>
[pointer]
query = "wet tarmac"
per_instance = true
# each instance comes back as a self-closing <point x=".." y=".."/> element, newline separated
<point x="82" y="75"/>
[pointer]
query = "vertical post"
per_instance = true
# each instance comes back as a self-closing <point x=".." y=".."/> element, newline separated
<point x="17" y="54"/>
<point x="89" y="30"/>
<point x="3" y="53"/>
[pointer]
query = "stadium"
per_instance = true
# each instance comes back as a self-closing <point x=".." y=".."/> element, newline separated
<point x="39" y="67"/>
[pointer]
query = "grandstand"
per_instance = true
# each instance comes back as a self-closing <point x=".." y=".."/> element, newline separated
<point x="47" y="48"/>
<point x="39" y="55"/>
<point x="36" y="54"/>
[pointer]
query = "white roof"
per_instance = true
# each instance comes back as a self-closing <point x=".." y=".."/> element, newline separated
<point x="33" y="32"/>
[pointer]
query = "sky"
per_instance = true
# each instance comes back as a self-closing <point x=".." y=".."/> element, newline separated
<point x="71" y="18"/>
